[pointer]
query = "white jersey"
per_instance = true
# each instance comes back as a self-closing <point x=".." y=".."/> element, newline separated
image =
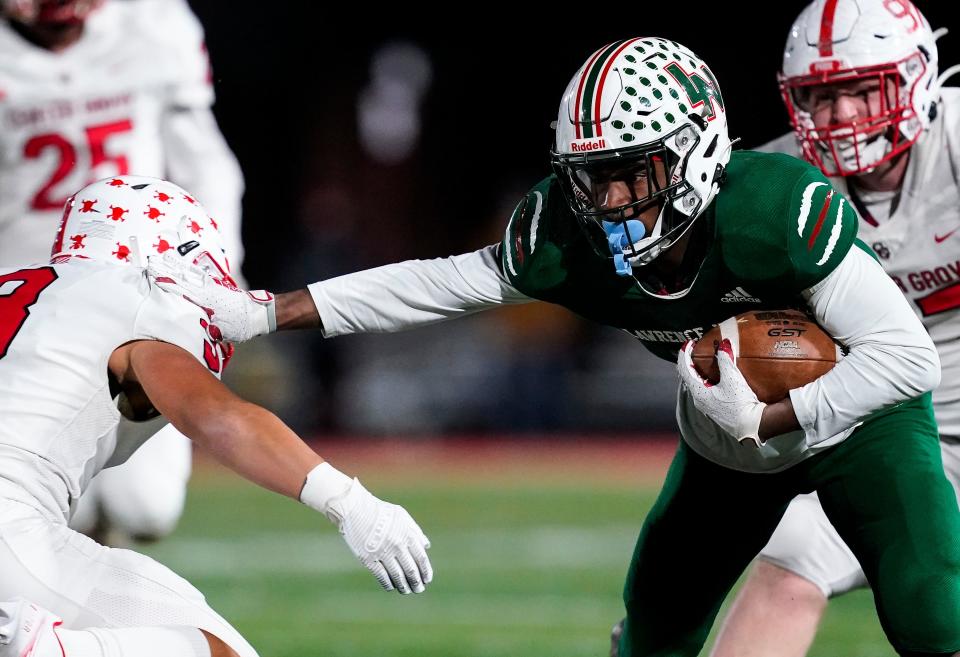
<point x="59" y="325"/>
<point x="133" y="95"/>
<point x="919" y="244"/>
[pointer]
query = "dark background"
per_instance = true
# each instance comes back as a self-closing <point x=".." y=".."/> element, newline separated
<point x="288" y="76"/>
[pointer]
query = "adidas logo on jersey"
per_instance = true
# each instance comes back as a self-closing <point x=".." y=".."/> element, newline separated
<point x="739" y="295"/>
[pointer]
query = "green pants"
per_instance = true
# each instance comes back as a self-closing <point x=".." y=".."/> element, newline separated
<point x="883" y="489"/>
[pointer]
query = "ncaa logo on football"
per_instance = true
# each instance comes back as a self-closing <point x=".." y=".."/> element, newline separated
<point x="786" y="345"/>
<point x="587" y="145"/>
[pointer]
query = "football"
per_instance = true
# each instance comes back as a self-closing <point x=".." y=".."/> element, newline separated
<point x="776" y="350"/>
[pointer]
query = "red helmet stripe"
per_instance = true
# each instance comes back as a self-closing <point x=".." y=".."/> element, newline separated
<point x="58" y="240"/>
<point x="583" y="79"/>
<point x="598" y="96"/>
<point x="826" y="29"/>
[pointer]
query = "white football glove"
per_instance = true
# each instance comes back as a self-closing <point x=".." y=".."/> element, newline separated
<point x="731" y="403"/>
<point x="383" y="536"/>
<point x="239" y="315"/>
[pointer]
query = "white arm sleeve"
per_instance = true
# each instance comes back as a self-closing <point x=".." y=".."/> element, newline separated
<point x="412" y="293"/>
<point x="891" y="358"/>
<point x="199" y="160"/>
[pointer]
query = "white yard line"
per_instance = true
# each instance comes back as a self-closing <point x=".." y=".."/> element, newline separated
<point x="285" y="553"/>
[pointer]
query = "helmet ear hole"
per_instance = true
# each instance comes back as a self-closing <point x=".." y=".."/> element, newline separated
<point x="187" y="247"/>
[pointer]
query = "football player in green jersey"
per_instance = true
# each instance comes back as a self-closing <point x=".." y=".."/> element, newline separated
<point x="652" y="224"/>
<point x="894" y="156"/>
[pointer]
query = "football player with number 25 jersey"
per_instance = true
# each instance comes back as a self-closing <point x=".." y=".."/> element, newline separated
<point x="648" y="224"/>
<point x="88" y="339"/>
<point x="861" y="84"/>
<point x="90" y="89"/>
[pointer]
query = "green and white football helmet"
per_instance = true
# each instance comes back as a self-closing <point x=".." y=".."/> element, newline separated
<point x="636" y="107"/>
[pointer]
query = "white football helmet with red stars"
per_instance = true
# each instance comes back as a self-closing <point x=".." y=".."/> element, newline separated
<point x="123" y="220"/>
<point x="846" y="41"/>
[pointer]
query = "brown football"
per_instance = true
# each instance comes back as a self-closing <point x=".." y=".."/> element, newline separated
<point x="776" y="350"/>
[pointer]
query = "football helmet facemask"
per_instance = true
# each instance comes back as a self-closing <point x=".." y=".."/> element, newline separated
<point x="883" y="54"/>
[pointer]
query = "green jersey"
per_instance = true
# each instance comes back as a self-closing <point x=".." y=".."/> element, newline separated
<point x="778" y="228"/>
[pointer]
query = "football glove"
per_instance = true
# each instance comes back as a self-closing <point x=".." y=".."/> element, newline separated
<point x="730" y="403"/>
<point x="239" y="315"/>
<point x="383" y="536"/>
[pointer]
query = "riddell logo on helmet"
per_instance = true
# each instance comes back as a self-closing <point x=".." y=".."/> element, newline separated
<point x="825" y="66"/>
<point x="585" y="146"/>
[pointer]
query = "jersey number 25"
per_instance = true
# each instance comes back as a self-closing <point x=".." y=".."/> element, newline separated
<point x="96" y="141"/>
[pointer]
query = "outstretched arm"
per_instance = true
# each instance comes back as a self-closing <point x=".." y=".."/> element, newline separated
<point x="385" y="299"/>
<point x="246" y="438"/>
<point x="411" y="294"/>
<point x="296" y="310"/>
<point x="256" y="444"/>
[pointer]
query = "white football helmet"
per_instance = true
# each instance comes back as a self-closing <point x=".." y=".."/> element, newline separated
<point x="123" y="220"/>
<point x="638" y="106"/>
<point x="846" y="41"/>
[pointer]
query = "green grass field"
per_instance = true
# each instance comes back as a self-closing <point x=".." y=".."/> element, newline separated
<point x="530" y="547"/>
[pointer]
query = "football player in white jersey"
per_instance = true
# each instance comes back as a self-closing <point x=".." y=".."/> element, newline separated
<point x="90" y="89"/>
<point x="89" y="339"/>
<point x="861" y="84"/>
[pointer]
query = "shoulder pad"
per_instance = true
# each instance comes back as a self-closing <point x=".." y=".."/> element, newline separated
<point x="781" y="222"/>
<point x="823" y="227"/>
<point x="527" y="238"/>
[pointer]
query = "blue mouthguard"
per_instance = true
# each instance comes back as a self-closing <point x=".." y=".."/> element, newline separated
<point x="617" y="241"/>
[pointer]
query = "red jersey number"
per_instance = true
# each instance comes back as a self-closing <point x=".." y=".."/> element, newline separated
<point x="66" y="152"/>
<point x="18" y="291"/>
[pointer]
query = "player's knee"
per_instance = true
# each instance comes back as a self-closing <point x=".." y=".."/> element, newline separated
<point x="778" y="585"/>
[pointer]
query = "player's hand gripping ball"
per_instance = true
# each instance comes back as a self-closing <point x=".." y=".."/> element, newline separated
<point x="776" y="351"/>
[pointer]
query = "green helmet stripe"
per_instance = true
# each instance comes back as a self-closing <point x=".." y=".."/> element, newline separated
<point x="588" y="84"/>
<point x="603" y="79"/>
<point x="583" y="79"/>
